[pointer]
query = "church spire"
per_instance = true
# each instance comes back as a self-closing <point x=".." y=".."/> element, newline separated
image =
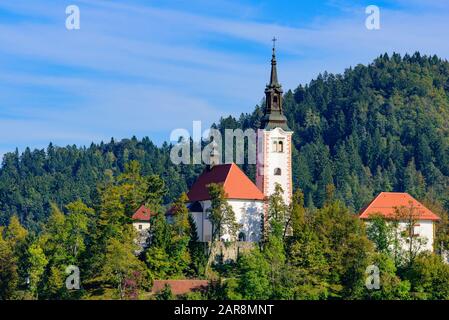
<point x="273" y="114"/>
<point x="274" y="72"/>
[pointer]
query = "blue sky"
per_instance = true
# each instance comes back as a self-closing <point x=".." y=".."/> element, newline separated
<point x="145" y="68"/>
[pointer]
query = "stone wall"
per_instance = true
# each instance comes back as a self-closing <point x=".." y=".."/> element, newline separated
<point x="229" y="251"/>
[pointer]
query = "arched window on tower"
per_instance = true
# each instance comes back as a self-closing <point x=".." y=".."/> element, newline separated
<point x="242" y="236"/>
<point x="281" y="146"/>
<point x="277" y="172"/>
<point x="275" y="146"/>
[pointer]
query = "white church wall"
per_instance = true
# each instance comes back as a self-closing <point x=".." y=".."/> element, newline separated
<point x="203" y="226"/>
<point x="248" y="213"/>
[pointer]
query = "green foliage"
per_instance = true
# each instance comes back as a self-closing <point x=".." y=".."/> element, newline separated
<point x="278" y="213"/>
<point x="429" y="278"/>
<point x="37" y="262"/>
<point x="8" y="271"/>
<point x="346" y="248"/>
<point x="221" y="215"/>
<point x="165" y="294"/>
<point x="120" y="263"/>
<point x="158" y="262"/>
<point x="168" y="254"/>
<point x="62" y="175"/>
<point x="197" y="251"/>
<point x="441" y="242"/>
<point x="308" y="266"/>
<point x="391" y="285"/>
<point x="262" y="272"/>
<point x="15" y="233"/>
<point x="179" y="255"/>
<point x="381" y="127"/>
<point x="156" y="255"/>
<point x="297" y="212"/>
<point x="413" y="243"/>
<point x="18" y="238"/>
<point x="381" y="233"/>
<point x="155" y="192"/>
<point x="101" y="242"/>
<point x="254" y="282"/>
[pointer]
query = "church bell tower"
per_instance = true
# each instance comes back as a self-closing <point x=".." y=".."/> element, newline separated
<point x="274" y="141"/>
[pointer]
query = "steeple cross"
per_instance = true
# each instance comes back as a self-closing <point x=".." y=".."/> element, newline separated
<point x="274" y="42"/>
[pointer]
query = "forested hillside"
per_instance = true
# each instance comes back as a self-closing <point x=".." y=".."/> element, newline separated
<point x="382" y="127"/>
<point x="31" y="181"/>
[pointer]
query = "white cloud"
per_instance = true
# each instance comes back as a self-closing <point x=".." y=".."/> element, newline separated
<point x="137" y="69"/>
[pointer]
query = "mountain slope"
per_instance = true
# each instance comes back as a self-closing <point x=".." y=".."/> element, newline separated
<point x="381" y="127"/>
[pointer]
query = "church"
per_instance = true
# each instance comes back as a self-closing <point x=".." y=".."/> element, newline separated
<point x="249" y="200"/>
<point x="273" y="165"/>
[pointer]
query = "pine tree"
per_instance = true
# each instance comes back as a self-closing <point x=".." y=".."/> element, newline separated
<point x="37" y="262"/>
<point x="179" y="254"/>
<point x="297" y="212"/>
<point x="197" y="251"/>
<point x="8" y="270"/>
<point x="121" y="264"/>
<point x="221" y="215"/>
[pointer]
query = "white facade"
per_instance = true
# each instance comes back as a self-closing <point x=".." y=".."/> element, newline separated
<point x="141" y="225"/>
<point x="248" y="214"/>
<point x="274" y="158"/>
<point x="423" y="231"/>
<point x="142" y="228"/>
<point x="423" y="234"/>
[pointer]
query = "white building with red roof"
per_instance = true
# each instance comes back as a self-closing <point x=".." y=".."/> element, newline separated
<point x="141" y="222"/>
<point x="408" y="212"/>
<point x="248" y="199"/>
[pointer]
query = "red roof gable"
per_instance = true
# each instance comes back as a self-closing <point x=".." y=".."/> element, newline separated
<point x="142" y="214"/>
<point x="235" y="183"/>
<point x="386" y="203"/>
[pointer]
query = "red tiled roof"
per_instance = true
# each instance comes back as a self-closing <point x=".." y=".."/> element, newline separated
<point x="235" y="183"/>
<point x="386" y="203"/>
<point x="142" y="214"/>
<point x="180" y="286"/>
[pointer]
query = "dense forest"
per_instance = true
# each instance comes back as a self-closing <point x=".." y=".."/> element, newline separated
<point x="30" y="182"/>
<point x="304" y="253"/>
<point x="381" y="127"/>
